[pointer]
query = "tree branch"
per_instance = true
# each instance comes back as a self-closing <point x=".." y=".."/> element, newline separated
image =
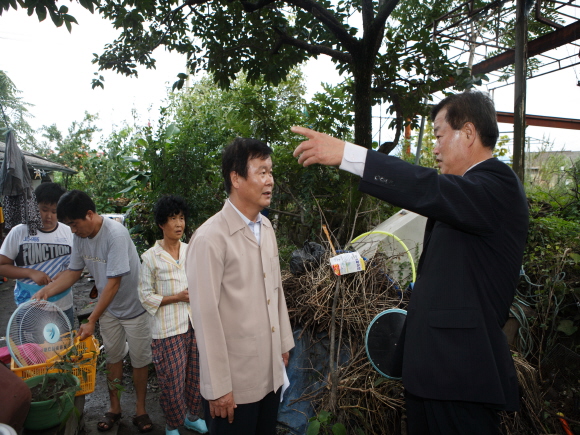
<point x="189" y="3"/>
<point x="327" y="18"/>
<point x="251" y="7"/>
<point x="384" y="12"/>
<point x="287" y="213"/>
<point x="375" y="30"/>
<point x="173" y="12"/>
<point x="167" y="30"/>
<point x="398" y="110"/>
<point x="312" y="49"/>
<point x="282" y="186"/>
<point x="367" y="14"/>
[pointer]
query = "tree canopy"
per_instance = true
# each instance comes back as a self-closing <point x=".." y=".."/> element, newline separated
<point x="385" y="54"/>
<point x="14" y="113"/>
<point x="182" y="156"/>
<point x="58" y="14"/>
<point x="385" y="49"/>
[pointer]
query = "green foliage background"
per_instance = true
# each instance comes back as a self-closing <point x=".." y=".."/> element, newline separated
<point x="183" y="156"/>
<point x="132" y="167"/>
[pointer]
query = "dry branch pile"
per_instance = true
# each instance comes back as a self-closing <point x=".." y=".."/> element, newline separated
<point x="365" y="400"/>
<point x="528" y="420"/>
<point x="363" y="296"/>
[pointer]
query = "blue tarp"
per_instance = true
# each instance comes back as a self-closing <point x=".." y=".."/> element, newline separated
<point x="308" y="372"/>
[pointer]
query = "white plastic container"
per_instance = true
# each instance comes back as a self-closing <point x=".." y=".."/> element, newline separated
<point x="6" y="430"/>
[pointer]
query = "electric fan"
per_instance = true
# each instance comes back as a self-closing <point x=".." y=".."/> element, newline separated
<point x="37" y="331"/>
<point x="384" y="342"/>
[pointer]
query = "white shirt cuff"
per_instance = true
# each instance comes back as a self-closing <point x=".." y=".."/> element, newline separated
<point x="353" y="159"/>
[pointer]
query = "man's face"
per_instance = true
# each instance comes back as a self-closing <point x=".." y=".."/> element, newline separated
<point x="256" y="189"/>
<point x="450" y="149"/>
<point x="87" y="227"/>
<point x="48" y="216"/>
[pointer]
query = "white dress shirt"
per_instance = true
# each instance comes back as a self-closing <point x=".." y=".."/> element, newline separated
<point x="254" y="226"/>
<point x="354" y="158"/>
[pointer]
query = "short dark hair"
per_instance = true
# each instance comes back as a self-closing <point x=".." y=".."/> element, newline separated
<point x="167" y="206"/>
<point x="236" y="156"/>
<point x="48" y="193"/>
<point x="74" y="204"/>
<point x="471" y="106"/>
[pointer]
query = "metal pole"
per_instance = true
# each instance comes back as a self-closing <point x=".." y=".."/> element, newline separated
<point x="520" y="66"/>
<point x="420" y="139"/>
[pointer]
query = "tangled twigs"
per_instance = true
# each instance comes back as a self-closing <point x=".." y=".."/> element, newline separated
<point x="528" y="419"/>
<point x="366" y="294"/>
<point x="364" y="400"/>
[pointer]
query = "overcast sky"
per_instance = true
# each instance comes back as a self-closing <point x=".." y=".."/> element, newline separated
<point x="53" y="70"/>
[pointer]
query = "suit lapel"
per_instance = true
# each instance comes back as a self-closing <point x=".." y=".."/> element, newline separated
<point x="236" y="223"/>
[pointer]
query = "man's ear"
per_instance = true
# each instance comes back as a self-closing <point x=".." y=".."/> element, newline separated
<point x="470" y="132"/>
<point x="235" y="179"/>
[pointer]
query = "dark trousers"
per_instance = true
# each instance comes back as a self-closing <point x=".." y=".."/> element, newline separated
<point x="445" y="417"/>
<point x="258" y="418"/>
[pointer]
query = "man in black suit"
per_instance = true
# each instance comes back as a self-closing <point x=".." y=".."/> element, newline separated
<point x="457" y="369"/>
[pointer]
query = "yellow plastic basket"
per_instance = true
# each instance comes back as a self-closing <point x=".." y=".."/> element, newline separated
<point x="88" y="350"/>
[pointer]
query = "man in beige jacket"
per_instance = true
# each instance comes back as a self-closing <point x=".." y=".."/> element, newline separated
<point x="238" y="307"/>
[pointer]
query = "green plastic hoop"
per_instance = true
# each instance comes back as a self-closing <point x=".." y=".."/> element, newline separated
<point x="397" y="239"/>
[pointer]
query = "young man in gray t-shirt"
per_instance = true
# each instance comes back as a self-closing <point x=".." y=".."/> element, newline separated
<point x="105" y="248"/>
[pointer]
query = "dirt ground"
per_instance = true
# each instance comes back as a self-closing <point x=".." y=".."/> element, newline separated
<point x="97" y="402"/>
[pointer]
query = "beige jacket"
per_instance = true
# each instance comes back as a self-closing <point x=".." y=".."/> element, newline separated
<point x="238" y="307"/>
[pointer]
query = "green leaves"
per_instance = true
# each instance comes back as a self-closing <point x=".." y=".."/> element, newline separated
<point x="41" y="12"/>
<point x="15" y="113"/>
<point x="575" y="257"/>
<point x="324" y="417"/>
<point x="339" y="429"/>
<point x="98" y="82"/>
<point x="552" y="269"/>
<point x="88" y="4"/>
<point x="141" y="142"/>
<point x="567" y="327"/>
<point x="179" y="83"/>
<point x="56" y="19"/>
<point x="313" y="427"/>
<point x="42" y="8"/>
<point x="379" y="381"/>
<point x="322" y="423"/>
<point x="172" y="129"/>
<point x="266" y="41"/>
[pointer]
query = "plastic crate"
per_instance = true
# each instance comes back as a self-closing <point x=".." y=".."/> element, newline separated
<point x="88" y="351"/>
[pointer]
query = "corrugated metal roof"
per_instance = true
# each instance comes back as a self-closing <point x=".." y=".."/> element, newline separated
<point x="36" y="162"/>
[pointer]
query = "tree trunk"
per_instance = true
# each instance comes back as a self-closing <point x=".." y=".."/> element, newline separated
<point x="362" y="74"/>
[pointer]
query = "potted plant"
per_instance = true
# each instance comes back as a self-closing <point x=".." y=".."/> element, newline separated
<point x="53" y="394"/>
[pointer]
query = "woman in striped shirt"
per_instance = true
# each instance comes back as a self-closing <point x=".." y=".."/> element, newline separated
<point x="163" y="293"/>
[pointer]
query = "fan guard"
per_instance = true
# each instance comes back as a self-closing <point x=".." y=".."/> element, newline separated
<point x="37" y="331"/>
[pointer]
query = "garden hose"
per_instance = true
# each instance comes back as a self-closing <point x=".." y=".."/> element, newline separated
<point x="525" y="336"/>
